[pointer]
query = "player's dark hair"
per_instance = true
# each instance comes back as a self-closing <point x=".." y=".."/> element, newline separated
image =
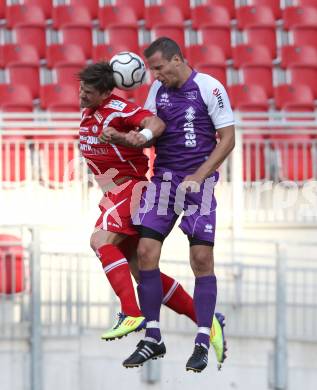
<point x="166" y="46"/>
<point x="98" y="75"/>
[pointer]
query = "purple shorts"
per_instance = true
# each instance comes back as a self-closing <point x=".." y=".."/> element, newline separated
<point x="164" y="201"/>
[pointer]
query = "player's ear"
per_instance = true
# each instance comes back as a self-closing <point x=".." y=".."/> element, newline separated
<point x="176" y="59"/>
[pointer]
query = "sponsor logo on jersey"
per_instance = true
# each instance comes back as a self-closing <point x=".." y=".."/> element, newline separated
<point x="83" y="138"/>
<point x="189" y="129"/>
<point x="91" y="140"/>
<point x="217" y="93"/>
<point x="164" y="100"/>
<point x="116" y="105"/>
<point x="191" y="95"/>
<point x="208" y="228"/>
<point x="94" y="129"/>
<point x="84" y="129"/>
<point x="98" y="117"/>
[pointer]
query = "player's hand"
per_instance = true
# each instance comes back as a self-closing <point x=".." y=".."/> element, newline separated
<point x="191" y="183"/>
<point x="109" y="134"/>
<point x="134" y="138"/>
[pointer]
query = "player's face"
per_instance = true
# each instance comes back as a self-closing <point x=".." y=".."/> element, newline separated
<point x="89" y="96"/>
<point x="166" y="71"/>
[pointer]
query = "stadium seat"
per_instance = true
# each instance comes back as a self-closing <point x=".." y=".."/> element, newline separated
<point x="159" y="15"/>
<point x="251" y="15"/>
<point x="13" y="159"/>
<point x="66" y="73"/>
<point x="293" y="97"/>
<point x="52" y="95"/>
<point x="90" y="5"/>
<point x="137" y="5"/>
<point x="205" y="54"/>
<point x="80" y="36"/>
<point x="304" y="74"/>
<point x="24" y="74"/>
<point x="174" y="32"/>
<point x="12" y="278"/>
<point x="105" y="51"/>
<point x="245" y="54"/>
<point x="15" y="98"/>
<point x="298" y="55"/>
<point x="248" y="97"/>
<point x="119" y="34"/>
<point x="45" y="5"/>
<point x="220" y="36"/>
<point x="254" y="74"/>
<point x="207" y="15"/>
<point x="68" y="15"/>
<point x="15" y="53"/>
<point x="299" y="16"/>
<point x="183" y="5"/>
<point x="228" y="4"/>
<point x="261" y="35"/>
<point x="2" y="8"/>
<point x="304" y="35"/>
<point x="140" y="94"/>
<point x="32" y="35"/>
<point x="255" y="167"/>
<point x="273" y="4"/>
<point x="58" y="54"/>
<point x="24" y="14"/>
<point x="216" y="71"/>
<point x="116" y="16"/>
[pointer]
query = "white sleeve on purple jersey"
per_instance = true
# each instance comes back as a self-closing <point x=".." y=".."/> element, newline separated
<point x="150" y="103"/>
<point x="216" y="99"/>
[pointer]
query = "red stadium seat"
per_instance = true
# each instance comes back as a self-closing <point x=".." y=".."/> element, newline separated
<point x="298" y="55"/>
<point x="12" y="279"/>
<point x="251" y="15"/>
<point x="90" y="5"/>
<point x="68" y="15"/>
<point x="304" y="35"/>
<point x="137" y="5"/>
<point x="27" y="75"/>
<point x="302" y="74"/>
<point x="219" y="36"/>
<point x="261" y="35"/>
<point x="183" y="5"/>
<point x="245" y="54"/>
<point x="52" y="95"/>
<point x="67" y="74"/>
<point x="45" y="5"/>
<point x="118" y="34"/>
<point x="24" y="14"/>
<point x="254" y="158"/>
<point x="106" y="51"/>
<point x="13" y="159"/>
<point x="228" y="4"/>
<point x="205" y="54"/>
<point x="31" y="35"/>
<point x="216" y="71"/>
<point x="299" y="16"/>
<point x="293" y="97"/>
<point x="80" y="36"/>
<point x="58" y="54"/>
<point x="254" y="74"/>
<point x="159" y="15"/>
<point x="16" y="53"/>
<point x="2" y="8"/>
<point x="248" y="97"/>
<point x="273" y="4"/>
<point x="116" y="16"/>
<point x="174" y="32"/>
<point x="207" y="15"/>
<point x="15" y="98"/>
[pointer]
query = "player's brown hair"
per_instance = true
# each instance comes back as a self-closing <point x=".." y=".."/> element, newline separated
<point x="166" y="46"/>
<point x="98" y="75"/>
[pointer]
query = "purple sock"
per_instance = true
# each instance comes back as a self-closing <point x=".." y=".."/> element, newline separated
<point x="205" y="295"/>
<point x="150" y="293"/>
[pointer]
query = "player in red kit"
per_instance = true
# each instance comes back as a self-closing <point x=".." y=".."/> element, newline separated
<point x="112" y="134"/>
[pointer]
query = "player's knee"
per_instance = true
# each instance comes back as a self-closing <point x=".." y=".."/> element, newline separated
<point x="97" y="239"/>
<point x="147" y="255"/>
<point x="202" y="263"/>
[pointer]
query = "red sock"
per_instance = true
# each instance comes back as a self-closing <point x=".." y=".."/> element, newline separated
<point x="176" y="298"/>
<point x="117" y="271"/>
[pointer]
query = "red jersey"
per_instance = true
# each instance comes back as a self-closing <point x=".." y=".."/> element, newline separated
<point x="123" y="116"/>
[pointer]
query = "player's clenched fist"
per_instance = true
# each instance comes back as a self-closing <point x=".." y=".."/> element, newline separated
<point x="135" y="138"/>
<point x="110" y="134"/>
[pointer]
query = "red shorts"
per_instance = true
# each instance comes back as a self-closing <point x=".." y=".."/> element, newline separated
<point x="116" y="207"/>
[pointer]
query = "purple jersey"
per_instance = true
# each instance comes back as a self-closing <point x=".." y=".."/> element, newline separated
<point x="192" y="115"/>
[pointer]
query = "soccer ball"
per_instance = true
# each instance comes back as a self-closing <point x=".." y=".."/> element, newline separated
<point x="128" y="69"/>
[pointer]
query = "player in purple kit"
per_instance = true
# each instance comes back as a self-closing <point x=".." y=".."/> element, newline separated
<point x="195" y="107"/>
